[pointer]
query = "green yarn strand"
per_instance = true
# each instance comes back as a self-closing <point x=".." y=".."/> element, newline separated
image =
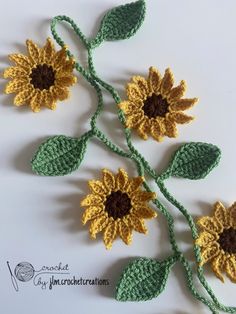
<point x="199" y="160"/>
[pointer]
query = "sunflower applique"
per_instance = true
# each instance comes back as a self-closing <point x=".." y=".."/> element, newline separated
<point x="41" y="78"/>
<point x="154" y="106"/>
<point x="218" y="241"/>
<point x="118" y="206"/>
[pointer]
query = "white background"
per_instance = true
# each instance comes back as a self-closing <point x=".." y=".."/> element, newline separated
<point x="40" y="216"/>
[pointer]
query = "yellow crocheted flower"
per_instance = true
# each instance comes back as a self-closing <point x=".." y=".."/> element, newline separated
<point x="218" y="241"/>
<point x="154" y="106"/>
<point x="41" y="78"/>
<point x="117" y="205"/>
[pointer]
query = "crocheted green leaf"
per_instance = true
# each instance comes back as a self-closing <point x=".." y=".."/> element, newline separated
<point x="143" y="279"/>
<point x="58" y="156"/>
<point x="123" y="21"/>
<point x="194" y="161"/>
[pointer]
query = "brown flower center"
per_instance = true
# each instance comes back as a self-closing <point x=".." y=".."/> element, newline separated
<point x="43" y="76"/>
<point x="155" y="106"/>
<point x="227" y="240"/>
<point x="118" y="205"/>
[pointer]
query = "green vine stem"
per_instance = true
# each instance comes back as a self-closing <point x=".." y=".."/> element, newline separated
<point x="87" y="75"/>
<point x="153" y="174"/>
<point x="121" y="116"/>
<point x="181" y="208"/>
<point x="177" y="252"/>
<point x="142" y="165"/>
<point x="197" y="254"/>
<point x="101" y="136"/>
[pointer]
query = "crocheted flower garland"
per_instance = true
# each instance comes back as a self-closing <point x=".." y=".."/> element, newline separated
<point x="117" y="204"/>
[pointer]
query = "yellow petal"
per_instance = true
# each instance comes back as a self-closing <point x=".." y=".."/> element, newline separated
<point x="66" y="67"/>
<point x="144" y="212"/>
<point x="157" y="131"/>
<point x="43" y="96"/>
<point x="35" y="102"/>
<point x="210" y="224"/>
<point x="108" y="179"/>
<point x="51" y="105"/>
<point x="154" y="80"/>
<point x="91" y="213"/>
<point x="209" y="253"/>
<point x="59" y="59"/>
<point x="66" y="80"/>
<point x="167" y="82"/>
<point x="183" y="104"/>
<point x="121" y="179"/>
<point x="133" y="92"/>
<point x="16" y="85"/>
<point x="134" y="120"/>
<point x="134" y="184"/>
<point x="21" y="60"/>
<point x="48" y="51"/>
<point x="142" y="86"/>
<point x="98" y="225"/>
<point x="110" y="234"/>
<point x="232" y="213"/>
<point x="15" y="72"/>
<point x="125" y="232"/>
<point x="24" y="96"/>
<point x="48" y="100"/>
<point x="138" y="224"/>
<point x="180" y="117"/>
<point x="33" y="50"/>
<point x="142" y="196"/>
<point x="221" y="213"/>
<point x="130" y="107"/>
<point x="170" y="128"/>
<point x="205" y="238"/>
<point x="143" y="128"/>
<point x="60" y="93"/>
<point x="231" y="268"/>
<point x="92" y="200"/>
<point x="177" y="92"/>
<point x="97" y="187"/>
<point x="218" y="264"/>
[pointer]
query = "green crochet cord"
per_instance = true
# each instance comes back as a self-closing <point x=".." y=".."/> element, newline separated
<point x="144" y="278"/>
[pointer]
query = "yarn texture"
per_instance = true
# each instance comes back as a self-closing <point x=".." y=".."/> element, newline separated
<point x="41" y="78"/>
<point x="154" y="106"/>
<point x="218" y="240"/>
<point x="118" y="204"/>
<point x="143" y="279"/>
<point x="59" y="155"/>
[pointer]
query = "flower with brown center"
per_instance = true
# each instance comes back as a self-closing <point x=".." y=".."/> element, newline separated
<point x="154" y="106"/>
<point x="41" y="78"/>
<point x="118" y="206"/>
<point x="218" y="241"/>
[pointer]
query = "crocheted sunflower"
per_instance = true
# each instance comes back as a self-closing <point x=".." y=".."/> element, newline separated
<point x="218" y="240"/>
<point x="41" y="78"/>
<point x="154" y="106"/>
<point x="117" y="205"/>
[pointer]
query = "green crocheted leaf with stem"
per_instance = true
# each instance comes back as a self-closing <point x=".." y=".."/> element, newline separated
<point x="194" y="161"/>
<point x="143" y="279"/>
<point x="123" y="21"/>
<point x="58" y="156"/>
